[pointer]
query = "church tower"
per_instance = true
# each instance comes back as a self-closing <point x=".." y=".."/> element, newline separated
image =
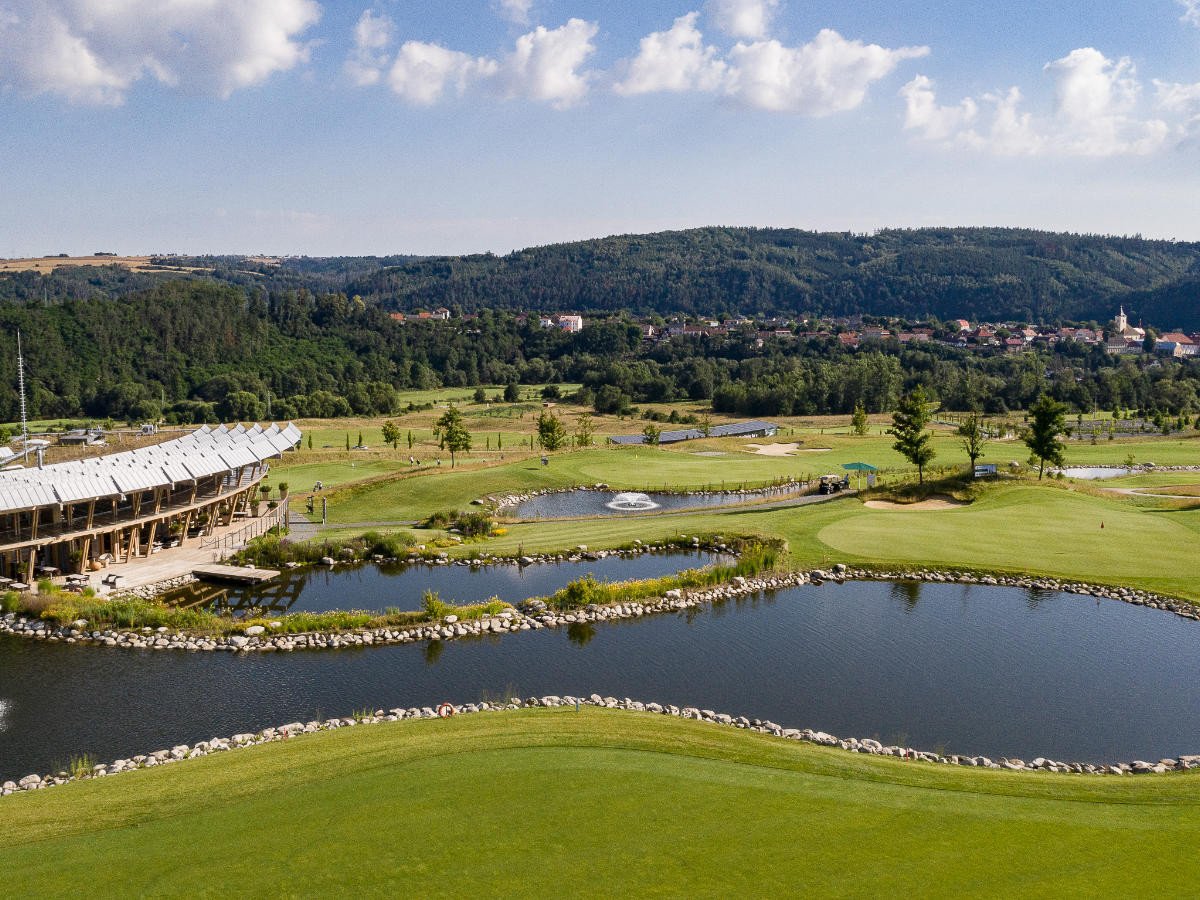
<point x="1122" y="322"/>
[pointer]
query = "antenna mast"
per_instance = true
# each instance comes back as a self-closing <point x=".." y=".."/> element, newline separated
<point x="21" y="386"/>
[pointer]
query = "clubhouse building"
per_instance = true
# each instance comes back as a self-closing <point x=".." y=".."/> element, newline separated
<point x="83" y="515"/>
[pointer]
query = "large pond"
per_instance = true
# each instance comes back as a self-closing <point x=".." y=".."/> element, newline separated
<point x="376" y="588"/>
<point x="582" y="503"/>
<point x="978" y="670"/>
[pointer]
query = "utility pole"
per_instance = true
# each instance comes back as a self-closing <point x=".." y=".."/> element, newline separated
<point x="21" y="385"/>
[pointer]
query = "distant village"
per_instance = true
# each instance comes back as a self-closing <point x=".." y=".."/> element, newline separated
<point x="1117" y="338"/>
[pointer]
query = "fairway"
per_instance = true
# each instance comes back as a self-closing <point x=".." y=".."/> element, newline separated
<point x="596" y="802"/>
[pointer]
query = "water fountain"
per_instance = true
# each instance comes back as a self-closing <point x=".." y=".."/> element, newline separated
<point x="629" y="501"/>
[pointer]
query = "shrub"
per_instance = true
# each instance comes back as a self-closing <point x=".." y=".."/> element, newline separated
<point x="81" y="765"/>
<point x="10" y="602"/>
<point x="435" y="608"/>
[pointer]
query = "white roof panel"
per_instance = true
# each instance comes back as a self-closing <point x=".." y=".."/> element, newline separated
<point x="196" y="454"/>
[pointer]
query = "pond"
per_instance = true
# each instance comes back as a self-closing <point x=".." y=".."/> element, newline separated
<point x="975" y="670"/>
<point x="1094" y="472"/>
<point x="375" y="588"/>
<point x="582" y="503"/>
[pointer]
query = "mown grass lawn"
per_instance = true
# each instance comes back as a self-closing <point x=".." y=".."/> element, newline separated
<point x="595" y="803"/>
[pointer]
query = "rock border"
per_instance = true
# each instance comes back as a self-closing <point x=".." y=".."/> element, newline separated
<point x="500" y="504"/>
<point x="868" y="746"/>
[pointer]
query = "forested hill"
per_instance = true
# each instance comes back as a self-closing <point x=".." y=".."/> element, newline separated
<point x="974" y="273"/>
<point x="989" y="274"/>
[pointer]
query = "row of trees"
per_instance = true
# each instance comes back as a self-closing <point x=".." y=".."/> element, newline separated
<point x="910" y="422"/>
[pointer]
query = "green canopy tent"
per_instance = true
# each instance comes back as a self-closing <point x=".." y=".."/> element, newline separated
<point x="859" y="467"/>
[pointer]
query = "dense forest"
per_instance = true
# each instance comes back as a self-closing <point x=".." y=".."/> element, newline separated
<point x="198" y="350"/>
<point x="974" y="273"/>
<point x="990" y="274"/>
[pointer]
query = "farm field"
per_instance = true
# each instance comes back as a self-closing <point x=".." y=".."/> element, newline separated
<point x="599" y="801"/>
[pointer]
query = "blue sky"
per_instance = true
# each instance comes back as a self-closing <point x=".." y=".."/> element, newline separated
<point x="308" y="127"/>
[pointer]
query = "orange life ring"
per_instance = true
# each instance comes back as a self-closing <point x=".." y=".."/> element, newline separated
<point x="445" y="711"/>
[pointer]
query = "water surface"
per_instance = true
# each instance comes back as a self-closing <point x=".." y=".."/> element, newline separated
<point x="375" y="588"/>
<point x="978" y="670"/>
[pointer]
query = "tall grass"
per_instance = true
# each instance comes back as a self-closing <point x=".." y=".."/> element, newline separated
<point x="755" y="558"/>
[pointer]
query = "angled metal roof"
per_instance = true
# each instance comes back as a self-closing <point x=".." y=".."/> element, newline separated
<point x="197" y="454"/>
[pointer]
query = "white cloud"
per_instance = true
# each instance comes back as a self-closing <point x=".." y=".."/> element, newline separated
<point x="922" y="112"/>
<point x="673" y="60"/>
<point x="1096" y="113"/>
<point x="94" y="51"/>
<point x="830" y="74"/>
<point x="1096" y="100"/>
<point x="422" y="72"/>
<point x="544" y="65"/>
<point x="545" y="62"/>
<point x="750" y="19"/>
<point x="372" y="35"/>
<point x="515" y="10"/>
<point x="1191" y="12"/>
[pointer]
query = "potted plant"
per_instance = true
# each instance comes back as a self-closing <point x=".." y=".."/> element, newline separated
<point x="283" y="490"/>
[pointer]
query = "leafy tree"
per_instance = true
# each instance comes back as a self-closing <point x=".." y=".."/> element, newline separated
<point x="480" y="395"/>
<point x="584" y="429"/>
<point x="347" y="440"/>
<point x="908" y="427"/>
<point x="1049" y="417"/>
<point x="859" y="420"/>
<point x="974" y="437"/>
<point x="1149" y="341"/>
<point x="410" y="439"/>
<point x="512" y="393"/>
<point x="452" y="433"/>
<point x="391" y="434"/>
<point x="310" y="442"/>
<point x="551" y="433"/>
<point x="651" y="433"/>
<point x="551" y="392"/>
<point x="705" y="427"/>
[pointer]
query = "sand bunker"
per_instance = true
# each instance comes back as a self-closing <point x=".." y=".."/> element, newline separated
<point x="783" y="449"/>
<point x="939" y="501"/>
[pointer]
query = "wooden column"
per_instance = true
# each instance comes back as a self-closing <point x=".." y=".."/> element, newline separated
<point x="91" y="514"/>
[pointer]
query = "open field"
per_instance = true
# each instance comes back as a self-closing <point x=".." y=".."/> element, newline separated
<point x="596" y="802"/>
<point x="46" y="264"/>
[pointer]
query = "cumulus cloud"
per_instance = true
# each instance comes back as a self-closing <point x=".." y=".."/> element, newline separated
<point x="544" y="65"/>
<point x="922" y="112"/>
<point x="1095" y="114"/>
<point x="422" y="72"/>
<point x="515" y="10"/>
<point x="827" y="75"/>
<point x="673" y="60"/>
<point x="94" y="51"/>
<point x="749" y="19"/>
<point x="830" y="74"/>
<point x="372" y="35"/>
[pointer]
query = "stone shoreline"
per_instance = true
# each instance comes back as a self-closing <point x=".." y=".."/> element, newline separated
<point x="499" y="504"/>
<point x="534" y="616"/>
<point x="868" y="746"/>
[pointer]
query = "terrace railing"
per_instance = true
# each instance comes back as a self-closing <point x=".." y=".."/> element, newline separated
<point x="260" y="525"/>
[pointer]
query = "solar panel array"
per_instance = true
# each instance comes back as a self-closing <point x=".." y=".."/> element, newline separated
<point x="198" y="454"/>
<point x="737" y="429"/>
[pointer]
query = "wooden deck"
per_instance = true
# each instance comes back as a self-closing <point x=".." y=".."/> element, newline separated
<point x="239" y="574"/>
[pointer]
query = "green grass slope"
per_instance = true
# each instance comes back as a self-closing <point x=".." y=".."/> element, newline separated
<point x="597" y="802"/>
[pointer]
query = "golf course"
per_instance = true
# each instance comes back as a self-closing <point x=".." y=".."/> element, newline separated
<point x="594" y="802"/>
<point x="538" y="802"/>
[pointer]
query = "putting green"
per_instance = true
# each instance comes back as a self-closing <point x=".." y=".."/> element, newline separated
<point x="1018" y="528"/>
<point x="599" y="802"/>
